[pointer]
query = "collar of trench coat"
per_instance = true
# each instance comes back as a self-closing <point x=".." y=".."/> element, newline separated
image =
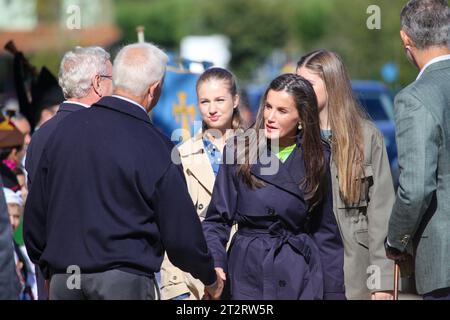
<point x="194" y="160"/>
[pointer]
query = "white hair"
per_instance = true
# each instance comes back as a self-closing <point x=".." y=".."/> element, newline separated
<point x="137" y="66"/>
<point x="78" y="67"/>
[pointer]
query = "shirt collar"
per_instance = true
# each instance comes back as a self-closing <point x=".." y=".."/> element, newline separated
<point x="130" y="101"/>
<point x="76" y="102"/>
<point x="432" y="61"/>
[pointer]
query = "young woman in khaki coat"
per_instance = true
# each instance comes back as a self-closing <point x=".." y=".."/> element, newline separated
<point x="201" y="155"/>
<point x="363" y="193"/>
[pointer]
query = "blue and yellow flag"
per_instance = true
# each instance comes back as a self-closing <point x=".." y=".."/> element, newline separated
<point x="177" y="108"/>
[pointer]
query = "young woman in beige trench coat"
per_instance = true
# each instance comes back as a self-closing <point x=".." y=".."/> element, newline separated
<point x="201" y="155"/>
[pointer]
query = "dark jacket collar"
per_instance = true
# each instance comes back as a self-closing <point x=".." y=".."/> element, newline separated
<point x="70" y="107"/>
<point x="123" y="106"/>
<point x="289" y="174"/>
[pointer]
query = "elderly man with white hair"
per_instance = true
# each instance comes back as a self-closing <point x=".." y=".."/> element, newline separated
<point x="107" y="200"/>
<point x="85" y="75"/>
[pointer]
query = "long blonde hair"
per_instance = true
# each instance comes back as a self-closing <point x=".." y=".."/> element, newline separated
<point x="346" y="119"/>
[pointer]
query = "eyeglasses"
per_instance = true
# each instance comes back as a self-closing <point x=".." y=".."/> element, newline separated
<point x="104" y="76"/>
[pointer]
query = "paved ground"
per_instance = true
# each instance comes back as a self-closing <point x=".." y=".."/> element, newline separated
<point x="409" y="296"/>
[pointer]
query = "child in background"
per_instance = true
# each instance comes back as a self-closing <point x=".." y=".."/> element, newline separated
<point x="25" y="269"/>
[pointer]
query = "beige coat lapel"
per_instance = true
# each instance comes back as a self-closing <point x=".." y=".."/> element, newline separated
<point x="196" y="163"/>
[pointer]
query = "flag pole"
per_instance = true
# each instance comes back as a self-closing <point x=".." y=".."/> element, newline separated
<point x="140" y="34"/>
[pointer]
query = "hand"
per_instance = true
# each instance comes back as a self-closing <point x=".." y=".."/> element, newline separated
<point x="221" y="273"/>
<point x="393" y="253"/>
<point x="383" y="295"/>
<point x="214" y="291"/>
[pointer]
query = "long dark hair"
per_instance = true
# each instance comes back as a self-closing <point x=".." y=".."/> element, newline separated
<point x="312" y="146"/>
<point x="224" y="75"/>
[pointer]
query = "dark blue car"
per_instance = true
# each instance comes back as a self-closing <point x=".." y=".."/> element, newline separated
<point x="375" y="97"/>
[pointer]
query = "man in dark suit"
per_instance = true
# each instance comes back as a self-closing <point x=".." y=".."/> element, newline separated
<point x="420" y="219"/>
<point x="107" y="200"/>
<point x="85" y="75"/>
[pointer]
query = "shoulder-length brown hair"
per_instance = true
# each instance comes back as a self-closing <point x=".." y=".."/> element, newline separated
<point x="312" y="146"/>
<point x="345" y="117"/>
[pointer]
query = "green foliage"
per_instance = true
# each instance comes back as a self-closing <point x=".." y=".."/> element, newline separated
<point x="156" y="16"/>
<point x="48" y="10"/>
<point x="254" y="27"/>
<point x="258" y="27"/>
<point x="49" y="59"/>
<point x="365" y="51"/>
<point x="310" y="22"/>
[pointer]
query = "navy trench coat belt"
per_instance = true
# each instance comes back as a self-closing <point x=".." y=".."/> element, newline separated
<point x="298" y="242"/>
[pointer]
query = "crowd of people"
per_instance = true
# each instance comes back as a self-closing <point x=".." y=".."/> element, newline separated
<point x="301" y="205"/>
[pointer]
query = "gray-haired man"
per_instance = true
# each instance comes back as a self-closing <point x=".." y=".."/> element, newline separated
<point x="85" y="75"/>
<point x="420" y="218"/>
<point x="124" y="202"/>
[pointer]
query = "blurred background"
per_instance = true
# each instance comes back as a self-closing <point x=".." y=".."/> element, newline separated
<point x="264" y="35"/>
<point x="256" y="39"/>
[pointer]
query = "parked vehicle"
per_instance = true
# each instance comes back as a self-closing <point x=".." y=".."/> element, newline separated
<point x="376" y="98"/>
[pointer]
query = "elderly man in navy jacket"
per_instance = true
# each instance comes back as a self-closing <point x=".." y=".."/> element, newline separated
<point x="107" y="199"/>
<point x="85" y="76"/>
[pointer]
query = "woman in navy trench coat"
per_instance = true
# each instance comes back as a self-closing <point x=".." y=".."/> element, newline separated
<point x="275" y="200"/>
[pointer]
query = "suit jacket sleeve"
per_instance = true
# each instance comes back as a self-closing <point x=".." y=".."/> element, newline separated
<point x="417" y="137"/>
<point x="35" y="214"/>
<point x="29" y="164"/>
<point x="379" y="209"/>
<point x="220" y="215"/>
<point x="180" y="227"/>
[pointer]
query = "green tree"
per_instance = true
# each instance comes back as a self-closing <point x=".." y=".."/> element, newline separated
<point x="254" y="26"/>
<point x="258" y="27"/>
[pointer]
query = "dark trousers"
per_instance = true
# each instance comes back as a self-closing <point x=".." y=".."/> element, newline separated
<point x="40" y="281"/>
<point x="440" y="294"/>
<point x="108" y="285"/>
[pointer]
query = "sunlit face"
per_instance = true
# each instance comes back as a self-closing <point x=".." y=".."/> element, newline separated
<point x="318" y="84"/>
<point x="24" y="127"/>
<point x="281" y="117"/>
<point x="216" y="103"/>
<point x="14" y="211"/>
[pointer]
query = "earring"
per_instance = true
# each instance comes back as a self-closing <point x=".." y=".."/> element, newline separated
<point x="300" y="127"/>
